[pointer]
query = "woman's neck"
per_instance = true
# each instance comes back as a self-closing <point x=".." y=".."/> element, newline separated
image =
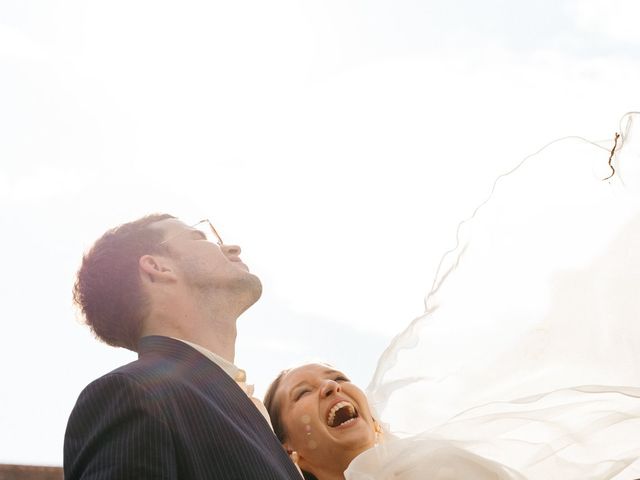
<point x="335" y="471"/>
<point x="330" y="476"/>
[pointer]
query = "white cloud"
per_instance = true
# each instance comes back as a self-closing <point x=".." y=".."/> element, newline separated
<point x="43" y="184"/>
<point x="15" y="44"/>
<point x="616" y="19"/>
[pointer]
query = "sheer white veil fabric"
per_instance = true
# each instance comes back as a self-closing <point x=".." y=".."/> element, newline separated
<point x="527" y="359"/>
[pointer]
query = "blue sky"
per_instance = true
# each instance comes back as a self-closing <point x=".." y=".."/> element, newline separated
<point x="338" y="142"/>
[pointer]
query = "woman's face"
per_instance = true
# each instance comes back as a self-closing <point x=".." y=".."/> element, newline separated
<point x="326" y="418"/>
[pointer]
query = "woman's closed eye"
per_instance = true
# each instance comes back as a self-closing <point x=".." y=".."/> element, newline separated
<point x="300" y="393"/>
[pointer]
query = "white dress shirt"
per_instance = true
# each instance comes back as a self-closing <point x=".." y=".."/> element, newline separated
<point x="238" y="375"/>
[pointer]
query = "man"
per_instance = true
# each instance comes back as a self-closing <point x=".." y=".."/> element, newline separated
<point x="181" y="411"/>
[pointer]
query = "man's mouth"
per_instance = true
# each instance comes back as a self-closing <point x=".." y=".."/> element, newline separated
<point x="341" y="413"/>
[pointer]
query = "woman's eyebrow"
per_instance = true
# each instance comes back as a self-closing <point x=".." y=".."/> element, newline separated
<point x="296" y="387"/>
<point x="328" y="371"/>
<point x="301" y="382"/>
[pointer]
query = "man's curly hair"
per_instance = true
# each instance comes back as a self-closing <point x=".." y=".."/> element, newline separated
<point x="107" y="288"/>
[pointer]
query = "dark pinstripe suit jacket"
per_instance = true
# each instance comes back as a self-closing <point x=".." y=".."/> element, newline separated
<point x="171" y="414"/>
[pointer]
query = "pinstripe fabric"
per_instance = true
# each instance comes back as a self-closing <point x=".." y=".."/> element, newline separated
<point x="171" y="414"/>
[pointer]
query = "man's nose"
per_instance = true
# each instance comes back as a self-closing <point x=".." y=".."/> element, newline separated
<point x="231" y="250"/>
<point x="329" y="387"/>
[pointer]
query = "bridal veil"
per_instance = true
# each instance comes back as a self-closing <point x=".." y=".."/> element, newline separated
<point x="527" y="357"/>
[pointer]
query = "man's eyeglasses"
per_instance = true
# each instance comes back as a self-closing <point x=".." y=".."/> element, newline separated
<point x="204" y="226"/>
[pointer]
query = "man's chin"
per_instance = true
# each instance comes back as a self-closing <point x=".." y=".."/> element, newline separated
<point x="257" y="288"/>
<point x="252" y="289"/>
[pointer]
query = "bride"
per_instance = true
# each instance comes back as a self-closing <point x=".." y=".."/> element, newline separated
<point x="325" y="422"/>
<point x="326" y="425"/>
<point x="321" y="418"/>
<point x="526" y="362"/>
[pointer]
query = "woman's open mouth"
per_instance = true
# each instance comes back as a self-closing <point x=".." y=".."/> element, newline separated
<point x="342" y="413"/>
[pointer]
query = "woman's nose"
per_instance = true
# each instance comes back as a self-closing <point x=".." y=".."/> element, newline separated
<point x="329" y="387"/>
<point x="231" y="250"/>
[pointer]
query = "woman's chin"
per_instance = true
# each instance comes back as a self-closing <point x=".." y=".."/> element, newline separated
<point x="356" y="433"/>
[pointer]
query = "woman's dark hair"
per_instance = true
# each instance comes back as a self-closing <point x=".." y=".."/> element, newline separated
<point x="107" y="288"/>
<point x="275" y="413"/>
<point x="273" y="407"/>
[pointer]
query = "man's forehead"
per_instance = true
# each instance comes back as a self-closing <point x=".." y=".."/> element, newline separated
<point x="169" y="225"/>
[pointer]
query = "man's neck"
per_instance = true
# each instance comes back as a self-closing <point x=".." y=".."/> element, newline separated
<point x="216" y="333"/>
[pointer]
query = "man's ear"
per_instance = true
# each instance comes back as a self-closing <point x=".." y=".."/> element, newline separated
<point x="156" y="269"/>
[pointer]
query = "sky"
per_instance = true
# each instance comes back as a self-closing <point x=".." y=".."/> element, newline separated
<point x="338" y="142"/>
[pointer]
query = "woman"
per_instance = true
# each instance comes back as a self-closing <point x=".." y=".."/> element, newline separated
<point x="326" y="425"/>
<point x="321" y="418"/>
<point x="325" y="422"/>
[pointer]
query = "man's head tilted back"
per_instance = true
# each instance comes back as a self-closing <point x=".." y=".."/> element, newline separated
<point x="136" y="273"/>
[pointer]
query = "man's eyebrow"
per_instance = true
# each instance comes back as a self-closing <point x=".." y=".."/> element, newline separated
<point x="197" y="233"/>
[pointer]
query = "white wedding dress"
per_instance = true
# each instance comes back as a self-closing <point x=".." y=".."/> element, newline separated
<point x="526" y="363"/>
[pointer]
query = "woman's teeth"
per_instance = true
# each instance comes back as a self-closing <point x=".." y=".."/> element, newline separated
<point x="341" y="413"/>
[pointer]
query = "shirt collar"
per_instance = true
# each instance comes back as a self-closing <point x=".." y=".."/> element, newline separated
<point x="229" y="368"/>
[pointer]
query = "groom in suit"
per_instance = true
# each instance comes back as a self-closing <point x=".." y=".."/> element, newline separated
<point x="182" y="410"/>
